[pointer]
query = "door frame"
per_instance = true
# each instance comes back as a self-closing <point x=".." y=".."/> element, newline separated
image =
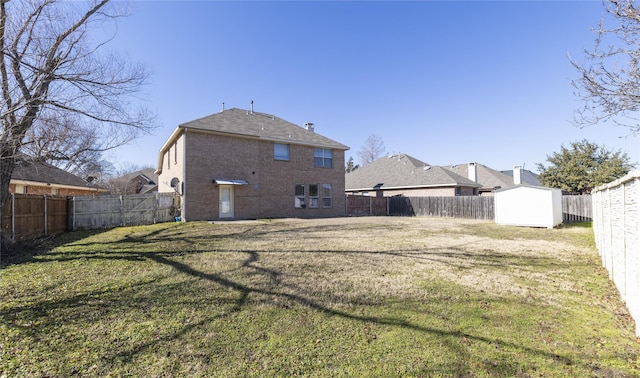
<point x="231" y="213"/>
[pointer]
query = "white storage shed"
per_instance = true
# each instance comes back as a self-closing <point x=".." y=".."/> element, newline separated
<point x="528" y="205"/>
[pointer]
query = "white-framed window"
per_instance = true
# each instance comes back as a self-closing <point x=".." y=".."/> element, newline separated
<point x="323" y="157"/>
<point x="314" y="200"/>
<point x="299" y="197"/>
<point x="280" y="151"/>
<point x="326" y="195"/>
<point x="175" y="153"/>
<point x="169" y="158"/>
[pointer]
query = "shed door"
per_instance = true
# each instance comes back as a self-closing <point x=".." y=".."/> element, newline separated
<point x="225" y="203"/>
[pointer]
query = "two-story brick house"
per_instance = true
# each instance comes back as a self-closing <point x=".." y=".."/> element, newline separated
<point x="241" y="164"/>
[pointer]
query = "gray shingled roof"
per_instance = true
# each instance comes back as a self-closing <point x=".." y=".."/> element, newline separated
<point x="487" y="177"/>
<point x="30" y="170"/>
<point x="147" y="173"/>
<point x="261" y="125"/>
<point x="402" y="171"/>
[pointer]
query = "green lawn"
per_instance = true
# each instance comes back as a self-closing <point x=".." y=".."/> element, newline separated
<point x="333" y="297"/>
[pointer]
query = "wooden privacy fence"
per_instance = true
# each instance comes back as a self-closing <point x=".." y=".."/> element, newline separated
<point x="366" y="205"/>
<point x="29" y="216"/>
<point x="574" y="208"/>
<point x="472" y="207"/>
<point x="616" y="225"/>
<point x="32" y="216"/>
<point x="87" y="213"/>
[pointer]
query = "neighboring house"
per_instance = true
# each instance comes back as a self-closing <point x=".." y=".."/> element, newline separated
<point x="241" y="164"/>
<point x="33" y="177"/>
<point x="404" y="175"/>
<point x="489" y="179"/>
<point x="139" y="182"/>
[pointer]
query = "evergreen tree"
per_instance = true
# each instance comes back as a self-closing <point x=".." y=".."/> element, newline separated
<point x="582" y="167"/>
<point x="351" y="165"/>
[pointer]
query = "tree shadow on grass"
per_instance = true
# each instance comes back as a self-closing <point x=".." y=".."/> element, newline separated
<point x="21" y="252"/>
<point x="450" y="338"/>
<point x="244" y="292"/>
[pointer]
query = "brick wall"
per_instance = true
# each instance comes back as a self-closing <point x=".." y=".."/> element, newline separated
<point x="271" y="183"/>
<point x="53" y="190"/>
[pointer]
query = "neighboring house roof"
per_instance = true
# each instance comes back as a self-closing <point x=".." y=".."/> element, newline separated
<point x="487" y="177"/>
<point x="145" y="180"/>
<point x="39" y="172"/>
<point x="526" y="176"/>
<point x="402" y="171"/>
<point x="254" y="125"/>
<point x="147" y="174"/>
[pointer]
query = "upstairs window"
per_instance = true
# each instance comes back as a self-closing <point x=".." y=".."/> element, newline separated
<point x="323" y="157"/>
<point x="280" y="151"/>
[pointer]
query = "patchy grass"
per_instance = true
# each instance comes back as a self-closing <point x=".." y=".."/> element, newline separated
<point x="331" y="297"/>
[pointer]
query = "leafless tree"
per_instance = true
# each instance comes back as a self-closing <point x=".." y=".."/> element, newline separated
<point x="609" y="80"/>
<point x="51" y="70"/>
<point x="121" y="182"/>
<point x="60" y="142"/>
<point x="372" y="149"/>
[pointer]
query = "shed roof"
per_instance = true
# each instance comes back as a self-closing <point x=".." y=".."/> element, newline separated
<point x="515" y="187"/>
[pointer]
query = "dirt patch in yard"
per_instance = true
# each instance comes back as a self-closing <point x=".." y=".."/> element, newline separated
<point x="379" y="255"/>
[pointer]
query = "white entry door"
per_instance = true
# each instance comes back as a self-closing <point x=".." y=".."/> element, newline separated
<point x="226" y="201"/>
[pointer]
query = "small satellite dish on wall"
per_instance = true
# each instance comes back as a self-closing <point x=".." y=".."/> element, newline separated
<point x="174" y="182"/>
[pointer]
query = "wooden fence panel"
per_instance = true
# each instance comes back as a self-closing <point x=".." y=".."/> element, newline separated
<point x="28" y="216"/>
<point x="574" y="208"/>
<point x="577" y="209"/>
<point x="472" y="207"/>
<point x="139" y="209"/>
<point x="57" y="215"/>
<point x="365" y="205"/>
<point x="89" y="213"/>
<point x="115" y="210"/>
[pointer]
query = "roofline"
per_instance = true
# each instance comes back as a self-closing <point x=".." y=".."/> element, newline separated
<point x="258" y="137"/>
<point x="411" y="187"/>
<point x="526" y="186"/>
<point x="53" y="184"/>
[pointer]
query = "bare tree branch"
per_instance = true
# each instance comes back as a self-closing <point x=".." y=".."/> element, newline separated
<point x="372" y="149"/>
<point x="62" y="97"/>
<point x="609" y="82"/>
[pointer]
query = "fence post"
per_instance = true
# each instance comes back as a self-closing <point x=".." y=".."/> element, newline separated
<point x="156" y="208"/>
<point x="73" y="213"/>
<point x="13" y="216"/>
<point x="121" y="211"/>
<point x="45" y="215"/>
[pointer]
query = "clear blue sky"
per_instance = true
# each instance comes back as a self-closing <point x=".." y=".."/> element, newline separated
<point x="445" y="82"/>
